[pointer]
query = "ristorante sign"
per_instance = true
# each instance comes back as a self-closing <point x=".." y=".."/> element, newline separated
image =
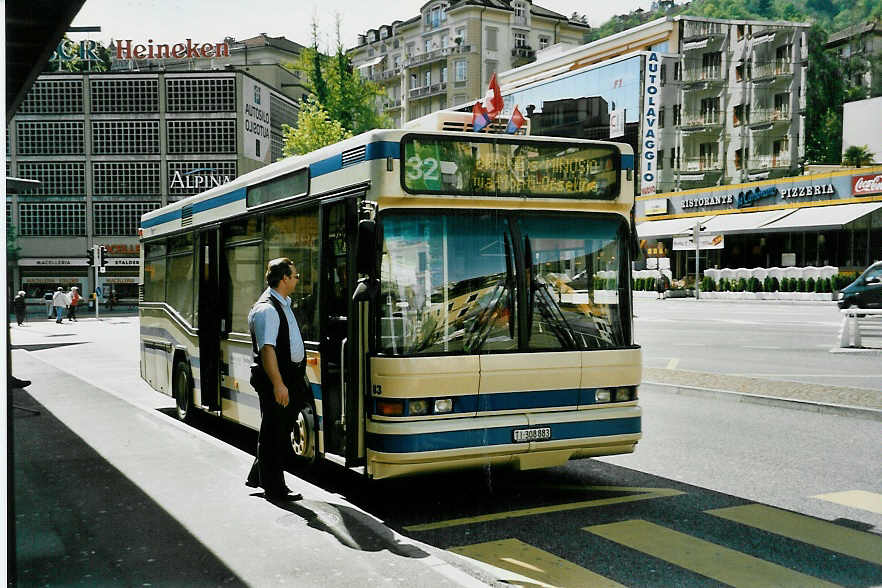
<point x="128" y="49"/>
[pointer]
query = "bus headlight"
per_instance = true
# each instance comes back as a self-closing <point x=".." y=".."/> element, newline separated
<point x="443" y="405"/>
<point x="418" y="407"/>
<point x="601" y="395"/>
<point x="623" y="394"/>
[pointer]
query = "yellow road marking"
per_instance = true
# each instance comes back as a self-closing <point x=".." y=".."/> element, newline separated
<point x="822" y="534"/>
<point x="672" y="365"/>
<point x="648" y="494"/>
<point x="703" y="557"/>
<point x="855" y="498"/>
<point x="546" y="569"/>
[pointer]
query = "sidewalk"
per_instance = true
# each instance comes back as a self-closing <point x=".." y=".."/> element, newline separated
<point x="108" y="492"/>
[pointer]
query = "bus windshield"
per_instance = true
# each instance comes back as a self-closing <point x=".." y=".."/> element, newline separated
<point x="507" y="167"/>
<point x="498" y="281"/>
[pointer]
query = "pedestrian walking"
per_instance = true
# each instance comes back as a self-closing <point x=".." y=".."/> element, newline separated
<point x="75" y="299"/>
<point x="19" y="305"/>
<point x="48" y="298"/>
<point x="660" y="286"/>
<point x="60" y="301"/>
<point x="277" y="373"/>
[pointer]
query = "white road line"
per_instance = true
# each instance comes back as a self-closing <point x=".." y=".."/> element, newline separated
<point x="762" y="347"/>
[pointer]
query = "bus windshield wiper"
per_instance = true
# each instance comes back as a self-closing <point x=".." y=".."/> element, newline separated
<point x="483" y="322"/>
<point x="553" y="315"/>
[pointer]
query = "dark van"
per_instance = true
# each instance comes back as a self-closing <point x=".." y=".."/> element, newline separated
<point x="864" y="292"/>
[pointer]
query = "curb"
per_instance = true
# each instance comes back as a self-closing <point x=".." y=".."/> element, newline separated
<point x="794" y="404"/>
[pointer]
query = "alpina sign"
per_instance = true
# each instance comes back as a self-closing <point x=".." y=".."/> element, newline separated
<point x="188" y="50"/>
<point x="198" y="179"/>
<point x="866" y="185"/>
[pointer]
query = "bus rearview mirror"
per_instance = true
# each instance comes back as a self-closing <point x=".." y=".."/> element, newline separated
<point x="366" y="247"/>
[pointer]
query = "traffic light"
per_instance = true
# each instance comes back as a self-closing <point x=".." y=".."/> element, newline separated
<point x="102" y="256"/>
<point x="90" y="256"/>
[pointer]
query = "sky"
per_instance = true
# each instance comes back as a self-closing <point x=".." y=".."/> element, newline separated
<point x="170" y="21"/>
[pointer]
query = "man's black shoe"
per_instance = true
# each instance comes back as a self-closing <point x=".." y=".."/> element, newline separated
<point x="282" y="496"/>
<point x="17" y="383"/>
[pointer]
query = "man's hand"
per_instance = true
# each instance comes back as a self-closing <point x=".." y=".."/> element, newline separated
<point x="280" y="391"/>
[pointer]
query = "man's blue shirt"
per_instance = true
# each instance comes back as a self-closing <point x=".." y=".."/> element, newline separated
<point x="263" y="320"/>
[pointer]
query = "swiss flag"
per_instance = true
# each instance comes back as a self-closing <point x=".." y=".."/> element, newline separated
<point x="493" y="98"/>
<point x="515" y="122"/>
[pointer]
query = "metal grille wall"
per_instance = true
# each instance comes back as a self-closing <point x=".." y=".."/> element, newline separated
<point x="52" y="219"/>
<point x="124" y="137"/>
<point x="120" y="218"/>
<point x="50" y="137"/>
<point x="126" y="178"/>
<point x="125" y="95"/>
<point x="66" y="178"/>
<point x="202" y="136"/>
<point x="200" y="94"/>
<point x="53" y="97"/>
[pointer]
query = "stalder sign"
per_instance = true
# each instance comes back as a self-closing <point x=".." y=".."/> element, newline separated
<point x="256" y="128"/>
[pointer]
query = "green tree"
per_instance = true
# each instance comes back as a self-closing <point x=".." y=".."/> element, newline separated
<point x="315" y="129"/>
<point x="344" y="95"/>
<point x="825" y="93"/>
<point x="856" y="156"/>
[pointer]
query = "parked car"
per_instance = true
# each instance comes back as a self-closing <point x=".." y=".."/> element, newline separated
<point x="865" y="291"/>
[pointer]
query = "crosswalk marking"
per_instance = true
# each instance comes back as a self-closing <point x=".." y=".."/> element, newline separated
<point x="703" y="557"/>
<point x="545" y="569"/>
<point x="806" y="529"/>
<point x="855" y="498"/>
<point x="647" y="494"/>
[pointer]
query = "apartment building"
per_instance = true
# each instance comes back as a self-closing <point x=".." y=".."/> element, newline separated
<point x="862" y="42"/>
<point x="446" y="55"/>
<point x="108" y="147"/>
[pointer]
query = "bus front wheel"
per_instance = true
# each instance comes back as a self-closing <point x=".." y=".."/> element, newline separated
<point x="183" y="389"/>
<point x="303" y="438"/>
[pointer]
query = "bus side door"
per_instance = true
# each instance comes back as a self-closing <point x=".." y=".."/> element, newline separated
<point x="338" y="341"/>
<point x="210" y="317"/>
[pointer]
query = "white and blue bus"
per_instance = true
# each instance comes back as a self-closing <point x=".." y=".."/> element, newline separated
<point x="465" y="298"/>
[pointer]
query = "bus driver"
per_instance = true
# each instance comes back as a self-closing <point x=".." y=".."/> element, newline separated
<point x="277" y="374"/>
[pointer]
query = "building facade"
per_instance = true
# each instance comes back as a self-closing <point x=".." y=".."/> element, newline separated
<point x="108" y="147"/>
<point x="861" y="42"/>
<point x="712" y="102"/>
<point x="446" y="55"/>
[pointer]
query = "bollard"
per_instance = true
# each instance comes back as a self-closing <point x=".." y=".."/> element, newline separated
<point x="844" y="339"/>
<point x="855" y="329"/>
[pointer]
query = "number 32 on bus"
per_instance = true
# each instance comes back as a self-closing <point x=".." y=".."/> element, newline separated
<point x="465" y="299"/>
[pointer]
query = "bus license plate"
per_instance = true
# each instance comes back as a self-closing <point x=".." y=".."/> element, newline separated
<point x="537" y="434"/>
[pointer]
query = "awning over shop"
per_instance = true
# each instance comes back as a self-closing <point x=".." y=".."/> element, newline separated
<point x="743" y="222"/>
<point x="668" y="228"/>
<point x="820" y="218"/>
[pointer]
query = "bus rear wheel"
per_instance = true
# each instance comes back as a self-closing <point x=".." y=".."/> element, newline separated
<point x="303" y="438"/>
<point x="183" y="390"/>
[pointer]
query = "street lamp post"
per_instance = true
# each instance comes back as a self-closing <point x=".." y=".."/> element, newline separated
<point x="695" y="234"/>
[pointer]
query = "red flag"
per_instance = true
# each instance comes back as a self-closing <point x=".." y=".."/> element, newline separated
<point x="479" y="117"/>
<point x="493" y="98"/>
<point x="515" y="122"/>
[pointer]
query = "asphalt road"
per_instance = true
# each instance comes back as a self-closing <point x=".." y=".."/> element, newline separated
<point x="756" y="339"/>
<point x="717" y="493"/>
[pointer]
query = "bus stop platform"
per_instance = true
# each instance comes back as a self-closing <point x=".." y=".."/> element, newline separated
<point x="106" y="492"/>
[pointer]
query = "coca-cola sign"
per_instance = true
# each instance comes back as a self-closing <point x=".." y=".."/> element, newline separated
<point x="866" y="185"/>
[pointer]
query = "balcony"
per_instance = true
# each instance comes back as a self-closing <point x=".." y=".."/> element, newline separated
<point x="392" y="104"/>
<point x="692" y="121"/>
<point x="427" y="91"/>
<point x="703" y="74"/>
<point x="768" y="71"/>
<point x="700" y="30"/>
<point x="385" y="76"/>
<point x="522" y="55"/>
<point x="430" y="57"/>
<point x="768" y="162"/>
<point x="519" y="21"/>
<point x="769" y="115"/>
<point x="702" y="164"/>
